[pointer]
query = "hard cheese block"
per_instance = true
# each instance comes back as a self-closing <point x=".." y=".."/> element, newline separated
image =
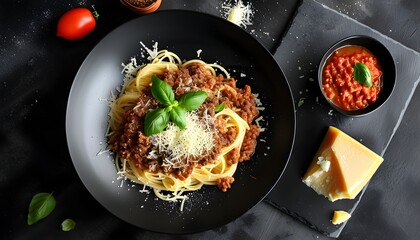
<point x="341" y="167"/>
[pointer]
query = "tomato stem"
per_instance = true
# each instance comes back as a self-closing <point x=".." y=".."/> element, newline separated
<point x="95" y="13"/>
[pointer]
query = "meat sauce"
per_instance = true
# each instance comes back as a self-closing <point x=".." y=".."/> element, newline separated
<point x="339" y="84"/>
<point x="130" y="142"/>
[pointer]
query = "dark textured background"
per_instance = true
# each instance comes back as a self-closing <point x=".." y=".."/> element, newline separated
<point x="36" y="73"/>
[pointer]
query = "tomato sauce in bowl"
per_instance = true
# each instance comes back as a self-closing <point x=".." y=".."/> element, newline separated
<point x="339" y="85"/>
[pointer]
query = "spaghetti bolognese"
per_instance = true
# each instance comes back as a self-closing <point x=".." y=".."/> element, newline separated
<point x="218" y="134"/>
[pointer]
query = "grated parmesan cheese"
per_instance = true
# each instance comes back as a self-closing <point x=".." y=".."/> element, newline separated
<point x="152" y="53"/>
<point x="239" y="14"/>
<point x="199" y="51"/>
<point x="178" y="144"/>
<point x="257" y="121"/>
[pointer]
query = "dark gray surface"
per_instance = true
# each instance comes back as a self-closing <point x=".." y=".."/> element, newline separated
<point x="308" y="38"/>
<point x="37" y="70"/>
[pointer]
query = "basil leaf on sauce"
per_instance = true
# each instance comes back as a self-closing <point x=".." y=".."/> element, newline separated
<point x="162" y="91"/>
<point x="192" y="100"/>
<point x="41" y="205"/>
<point x="362" y="74"/>
<point x="177" y="115"/>
<point x="155" y="121"/>
<point x="220" y="107"/>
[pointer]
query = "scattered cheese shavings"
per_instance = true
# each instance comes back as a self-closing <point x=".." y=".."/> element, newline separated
<point x="129" y="70"/>
<point x="102" y="151"/>
<point x="199" y="52"/>
<point x="152" y="53"/>
<point x="257" y="121"/>
<point x="239" y="14"/>
<point x="144" y="190"/>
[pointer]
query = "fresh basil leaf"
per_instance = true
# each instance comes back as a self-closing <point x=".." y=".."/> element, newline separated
<point x="177" y="115"/>
<point x="192" y="100"/>
<point x="362" y="74"/>
<point x="162" y="91"/>
<point x="68" y="225"/>
<point x="41" y="205"/>
<point x="220" y="107"/>
<point x="155" y="121"/>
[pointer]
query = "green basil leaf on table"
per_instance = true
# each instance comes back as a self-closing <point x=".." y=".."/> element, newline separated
<point x="155" y="121"/>
<point x="41" y="205"/>
<point x="219" y="107"/>
<point x="362" y="74"/>
<point x="68" y="225"/>
<point x="192" y="100"/>
<point x="178" y="116"/>
<point x="162" y="91"/>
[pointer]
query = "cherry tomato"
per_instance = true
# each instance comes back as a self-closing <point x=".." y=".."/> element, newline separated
<point x="76" y="24"/>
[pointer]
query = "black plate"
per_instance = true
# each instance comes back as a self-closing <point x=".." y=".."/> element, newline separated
<point x="184" y="33"/>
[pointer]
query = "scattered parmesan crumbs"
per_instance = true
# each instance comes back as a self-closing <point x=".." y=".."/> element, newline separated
<point x="239" y="14"/>
<point x="330" y="112"/>
<point x="102" y="151"/>
<point x="199" y="52"/>
<point x="257" y="121"/>
<point x="152" y="53"/>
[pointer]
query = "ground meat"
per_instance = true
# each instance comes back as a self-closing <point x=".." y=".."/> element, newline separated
<point x="225" y="183"/>
<point x="141" y="3"/>
<point x="249" y="143"/>
<point x="233" y="156"/>
<point x="128" y="140"/>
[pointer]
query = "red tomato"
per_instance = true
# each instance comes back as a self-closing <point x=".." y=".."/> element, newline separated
<point x="76" y="24"/>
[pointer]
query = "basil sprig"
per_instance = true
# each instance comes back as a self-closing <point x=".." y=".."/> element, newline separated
<point x="157" y="119"/>
<point x="362" y="74"/>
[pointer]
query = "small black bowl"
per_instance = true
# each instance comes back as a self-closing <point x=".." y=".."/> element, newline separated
<point x="385" y="60"/>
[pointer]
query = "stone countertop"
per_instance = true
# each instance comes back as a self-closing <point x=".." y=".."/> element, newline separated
<point x="37" y="70"/>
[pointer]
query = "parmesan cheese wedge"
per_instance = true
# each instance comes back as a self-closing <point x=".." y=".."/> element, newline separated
<point x="339" y="217"/>
<point x="341" y="167"/>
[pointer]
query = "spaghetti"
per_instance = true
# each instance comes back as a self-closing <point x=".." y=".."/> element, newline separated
<point x="176" y="160"/>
